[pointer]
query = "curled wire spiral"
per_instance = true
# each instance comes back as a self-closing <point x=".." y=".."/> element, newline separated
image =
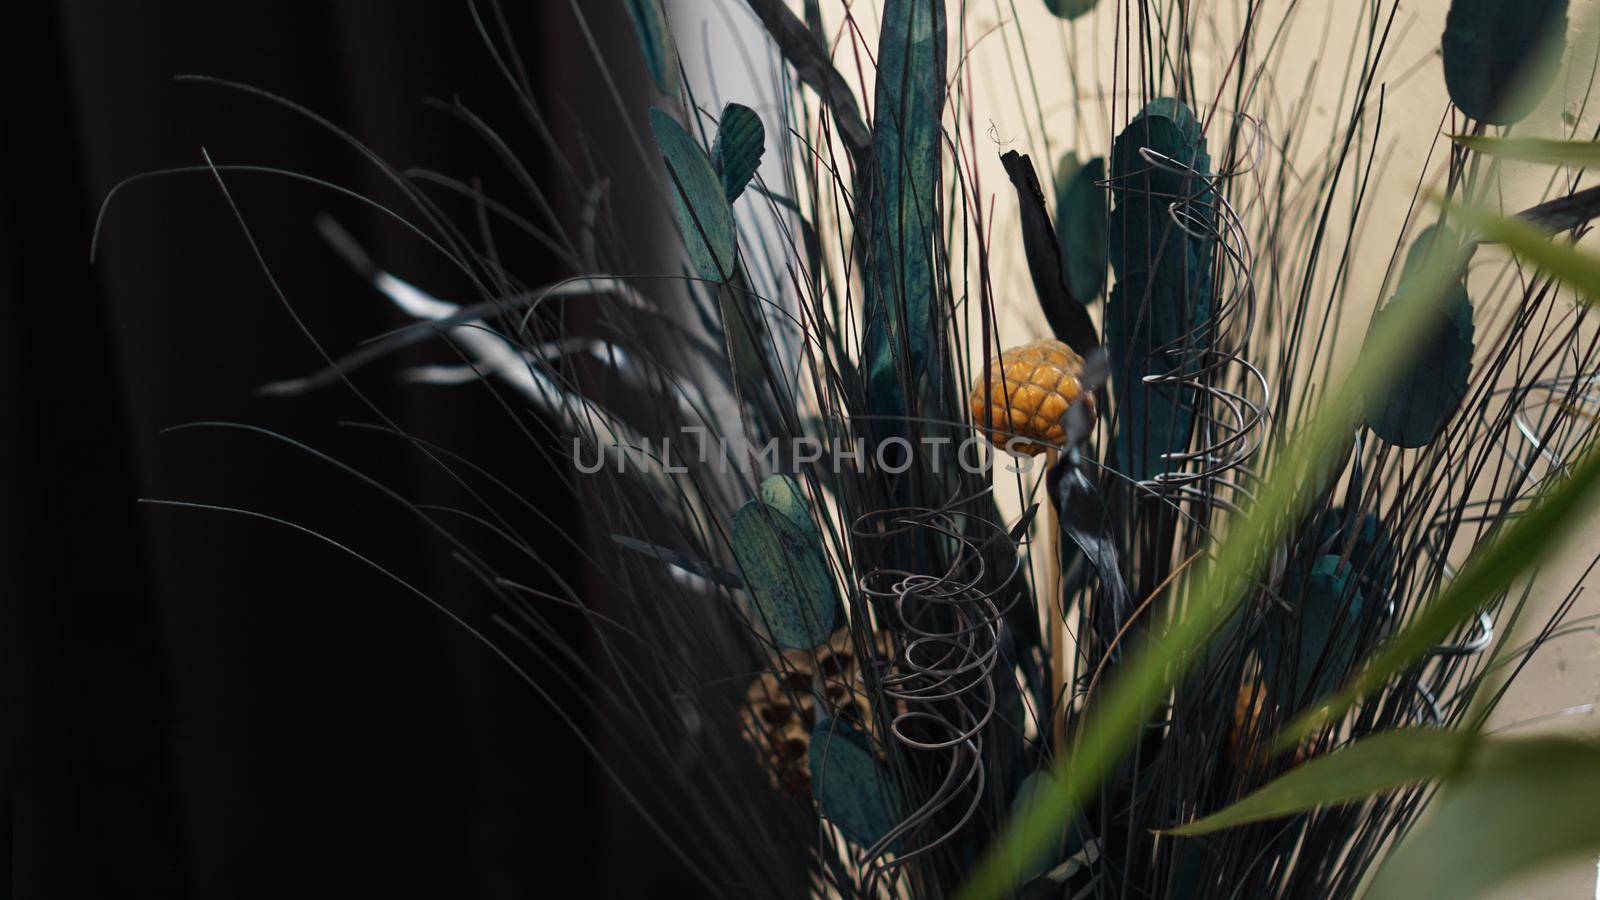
<point x="1209" y="362"/>
<point x="940" y="686"/>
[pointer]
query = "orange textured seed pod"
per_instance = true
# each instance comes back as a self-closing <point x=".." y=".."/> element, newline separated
<point x="1028" y="391"/>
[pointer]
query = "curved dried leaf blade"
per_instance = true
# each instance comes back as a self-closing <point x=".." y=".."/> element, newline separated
<point x="1066" y="315"/>
<point x="1087" y="526"/>
<point x="668" y="556"/>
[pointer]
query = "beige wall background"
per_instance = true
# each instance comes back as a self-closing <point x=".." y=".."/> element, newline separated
<point x="1069" y="104"/>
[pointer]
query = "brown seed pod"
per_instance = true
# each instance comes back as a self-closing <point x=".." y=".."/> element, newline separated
<point x="782" y="707"/>
<point x="1245" y="742"/>
<point x="1029" y="389"/>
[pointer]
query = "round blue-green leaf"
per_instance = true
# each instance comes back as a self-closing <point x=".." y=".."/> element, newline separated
<point x="736" y="153"/>
<point x="1500" y="55"/>
<point x="1413" y="409"/>
<point x="782" y="493"/>
<point x="699" y="201"/>
<point x="787" y="575"/>
<point x="1081" y="226"/>
<point x="853" y="790"/>
<point x="1069" y="9"/>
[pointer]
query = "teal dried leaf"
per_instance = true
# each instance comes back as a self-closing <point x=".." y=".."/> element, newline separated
<point x="1360" y="538"/>
<point x="1068" y="319"/>
<point x="1501" y="55"/>
<point x="736" y="153"/>
<point x="699" y="201"/>
<point x="1162" y="301"/>
<point x="1322" y="625"/>
<point x="655" y="41"/>
<point x="853" y="790"/>
<point x="787" y="575"/>
<point x="908" y="108"/>
<point x="1069" y="9"/>
<point x="782" y="493"/>
<point x="1420" y="402"/>
<point x="1081" y="226"/>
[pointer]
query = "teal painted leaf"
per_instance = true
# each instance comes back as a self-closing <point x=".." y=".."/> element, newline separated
<point x="783" y="493"/>
<point x="1319" y="639"/>
<point x="655" y="41"/>
<point x="1069" y="322"/>
<point x="736" y="153"/>
<point x="1415" y="408"/>
<point x="1069" y="9"/>
<point x="853" y="790"/>
<point x="1081" y="226"/>
<point x="699" y="200"/>
<point x="787" y="575"/>
<point x="908" y="108"/>
<point x="1360" y="537"/>
<point x="1501" y="55"/>
<point x="1162" y="301"/>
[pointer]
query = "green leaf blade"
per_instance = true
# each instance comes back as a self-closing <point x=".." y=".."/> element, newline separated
<point x="1379" y="763"/>
<point x="1535" y="150"/>
<point x="1516" y="804"/>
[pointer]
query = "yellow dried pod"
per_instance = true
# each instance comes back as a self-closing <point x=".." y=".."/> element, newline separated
<point x="1028" y="391"/>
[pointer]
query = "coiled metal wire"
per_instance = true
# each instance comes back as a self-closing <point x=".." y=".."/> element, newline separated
<point x="940" y="685"/>
<point x="1231" y="395"/>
